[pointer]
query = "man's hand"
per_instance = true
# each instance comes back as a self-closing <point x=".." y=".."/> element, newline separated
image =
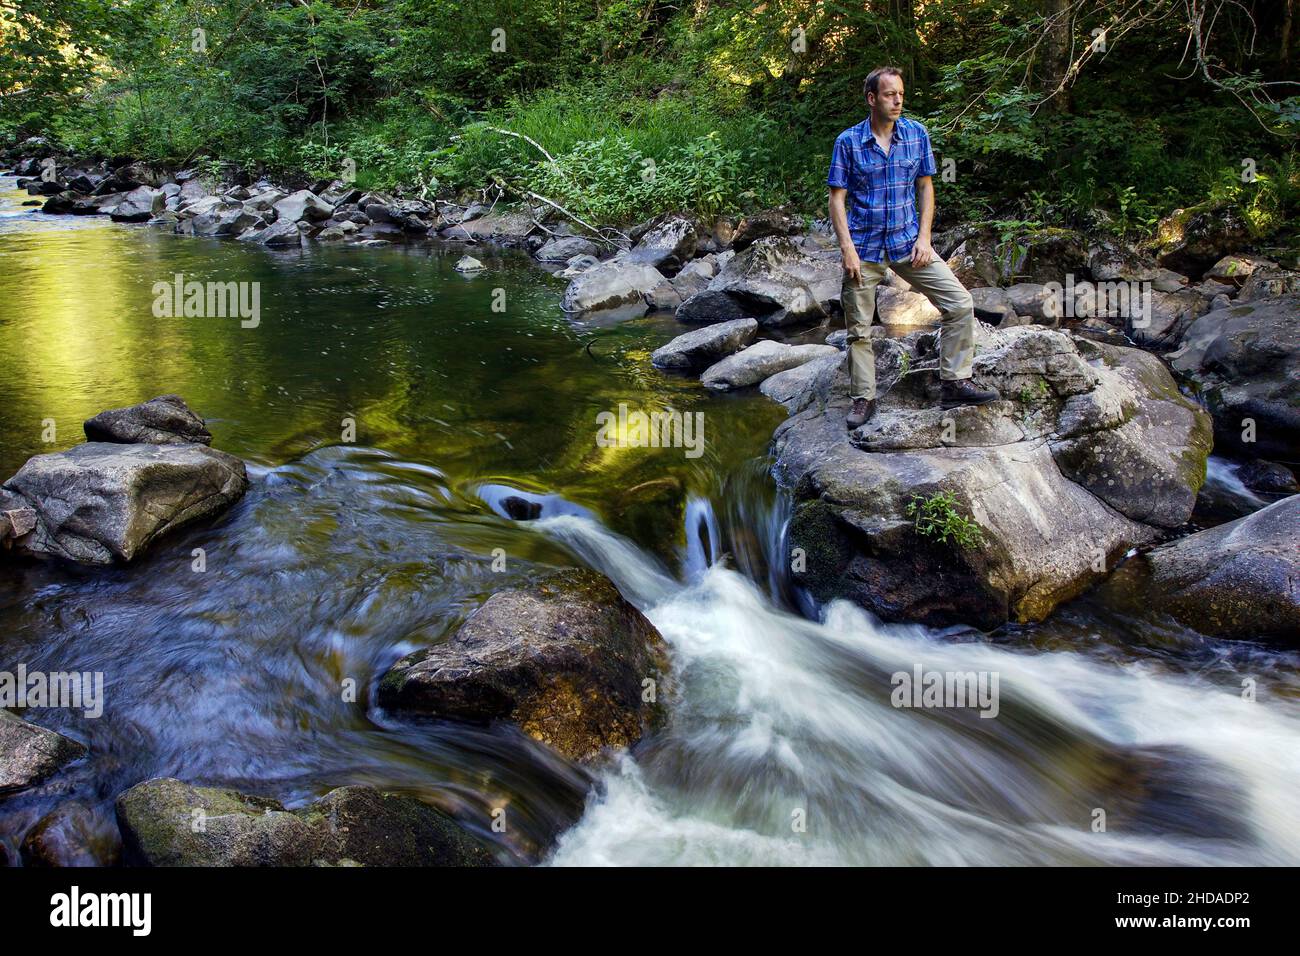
<point x="852" y="264"/>
<point x="922" y="253"/>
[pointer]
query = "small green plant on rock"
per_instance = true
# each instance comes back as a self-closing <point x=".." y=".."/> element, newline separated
<point x="1038" y="392"/>
<point x="938" y="517"/>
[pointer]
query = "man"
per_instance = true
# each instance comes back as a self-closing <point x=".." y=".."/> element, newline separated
<point x="883" y="167"/>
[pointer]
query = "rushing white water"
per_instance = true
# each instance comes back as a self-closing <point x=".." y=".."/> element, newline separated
<point x="784" y="748"/>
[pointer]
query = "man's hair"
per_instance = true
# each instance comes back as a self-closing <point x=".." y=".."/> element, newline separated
<point x="872" y="83"/>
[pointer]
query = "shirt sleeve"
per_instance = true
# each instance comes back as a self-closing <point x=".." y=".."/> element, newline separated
<point x="927" y="167"/>
<point x="841" y="156"/>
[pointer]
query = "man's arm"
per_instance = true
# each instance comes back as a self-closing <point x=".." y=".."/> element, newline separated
<point x="840" y="220"/>
<point x="923" y="252"/>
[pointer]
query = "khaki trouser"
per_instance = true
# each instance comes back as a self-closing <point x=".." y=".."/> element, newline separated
<point x="937" y="283"/>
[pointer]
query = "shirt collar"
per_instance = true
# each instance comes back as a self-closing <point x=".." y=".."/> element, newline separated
<point x="894" y="136"/>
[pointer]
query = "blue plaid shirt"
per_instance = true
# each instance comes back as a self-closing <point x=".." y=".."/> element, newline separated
<point x="881" y="202"/>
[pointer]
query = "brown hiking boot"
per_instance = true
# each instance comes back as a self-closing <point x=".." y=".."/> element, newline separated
<point x="862" y="410"/>
<point x="964" y="392"/>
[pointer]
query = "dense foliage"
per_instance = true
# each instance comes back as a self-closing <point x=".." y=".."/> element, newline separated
<point x="711" y="105"/>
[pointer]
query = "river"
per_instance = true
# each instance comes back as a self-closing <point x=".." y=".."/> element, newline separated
<point x="782" y="746"/>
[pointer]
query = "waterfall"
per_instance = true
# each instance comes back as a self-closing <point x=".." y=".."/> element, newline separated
<point x="784" y="746"/>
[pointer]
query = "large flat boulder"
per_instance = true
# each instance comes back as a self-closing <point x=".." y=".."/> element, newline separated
<point x="503" y="227"/>
<point x="613" y="283"/>
<point x="166" y="822"/>
<point x="1237" y="580"/>
<point x="29" y="754"/>
<point x="300" y="205"/>
<point x="772" y="280"/>
<point x="165" y="420"/>
<point x="567" y="660"/>
<point x="700" y="348"/>
<point x="761" y="360"/>
<point x="139" y="205"/>
<point x="1244" y="363"/>
<point x="1090" y="452"/>
<point x="101" y="503"/>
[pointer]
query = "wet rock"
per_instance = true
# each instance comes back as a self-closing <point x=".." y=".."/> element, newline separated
<point x="227" y="219"/>
<point x="613" y="283"/>
<point x="1244" y="362"/>
<point x="564" y="248"/>
<point x="565" y="659"/>
<point x="101" y="503"/>
<point x="703" y="347"/>
<point x="165" y="822"/>
<point x="667" y="246"/>
<point x="279" y="233"/>
<point x="1090" y="451"/>
<point x="508" y="228"/>
<point x="761" y="360"/>
<point x="577" y="266"/>
<point x="300" y="205"/>
<point x="29" y="754"/>
<point x="773" y="281"/>
<point x="140" y="204"/>
<point x="1268" y="478"/>
<point x="384" y="232"/>
<point x="521" y="509"/>
<point x="468" y="264"/>
<point x="1037" y="257"/>
<point x="165" y="420"/>
<point x="70" y="835"/>
<point x="1238" y="580"/>
<point x="62" y="204"/>
<point x="792" y="388"/>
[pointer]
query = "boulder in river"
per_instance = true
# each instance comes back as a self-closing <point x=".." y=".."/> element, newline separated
<point x="564" y="248"/>
<point x="139" y="205"/>
<point x="772" y="280"/>
<point x="303" y="204"/>
<point x="567" y="659"/>
<point x="166" y="822"/>
<point x="609" y="285"/>
<point x="761" y="360"/>
<point x="101" y="503"/>
<point x="1244" y="362"/>
<point x="503" y="227"/>
<point x="668" y="245"/>
<point x="700" y="348"/>
<point x="29" y="754"/>
<point x="1090" y="452"/>
<point x="165" y="420"/>
<point x="1236" y="580"/>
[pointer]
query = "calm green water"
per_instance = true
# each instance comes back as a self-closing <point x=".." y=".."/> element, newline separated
<point x="344" y="556"/>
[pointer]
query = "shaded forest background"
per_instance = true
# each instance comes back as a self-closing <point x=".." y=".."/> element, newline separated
<point x="1082" y="113"/>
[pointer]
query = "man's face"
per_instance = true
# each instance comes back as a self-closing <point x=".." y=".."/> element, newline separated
<point x="887" y="101"/>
